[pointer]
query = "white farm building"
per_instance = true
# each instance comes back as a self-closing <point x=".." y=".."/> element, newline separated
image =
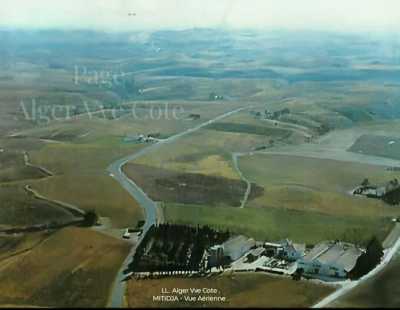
<point x="330" y="259"/>
<point x="237" y="246"/>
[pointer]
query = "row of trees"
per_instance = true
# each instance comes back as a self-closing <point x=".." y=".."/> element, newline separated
<point x="170" y="247"/>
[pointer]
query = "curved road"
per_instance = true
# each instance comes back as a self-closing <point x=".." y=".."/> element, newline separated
<point x="149" y="206"/>
<point x="241" y="175"/>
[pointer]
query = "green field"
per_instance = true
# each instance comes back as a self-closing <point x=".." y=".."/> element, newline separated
<point x="315" y="185"/>
<point x="383" y="146"/>
<point x="276" y="223"/>
<point x="304" y="199"/>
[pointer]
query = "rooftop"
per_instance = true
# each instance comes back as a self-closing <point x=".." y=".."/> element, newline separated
<point x="337" y="253"/>
<point x="257" y="251"/>
<point x="299" y="247"/>
<point x="238" y="242"/>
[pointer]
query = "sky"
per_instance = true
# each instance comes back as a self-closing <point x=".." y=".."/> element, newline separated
<point x="114" y="15"/>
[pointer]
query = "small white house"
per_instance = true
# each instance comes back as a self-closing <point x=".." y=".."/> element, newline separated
<point x="286" y="249"/>
<point x="291" y="251"/>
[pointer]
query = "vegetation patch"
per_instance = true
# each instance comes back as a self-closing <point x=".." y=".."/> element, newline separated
<point x="175" y="248"/>
<point x="368" y="260"/>
<point x="378" y="146"/>
<point x="276" y="223"/>
<point x="190" y="188"/>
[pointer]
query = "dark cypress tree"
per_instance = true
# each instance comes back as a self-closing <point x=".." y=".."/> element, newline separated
<point x="90" y="219"/>
<point x="369" y="260"/>
<point x="365" y="182"/>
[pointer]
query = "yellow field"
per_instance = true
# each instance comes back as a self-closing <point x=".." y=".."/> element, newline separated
<point x="93" y="192"/>
<point x="71" y="268"/>
<point x="206" y="151"/>
<point x="11" y="245"/>
<point x="210" y="165"/>
<point x="240" y="291"/>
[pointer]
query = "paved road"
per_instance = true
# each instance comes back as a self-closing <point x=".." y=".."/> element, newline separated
<point x="149" y="206"/>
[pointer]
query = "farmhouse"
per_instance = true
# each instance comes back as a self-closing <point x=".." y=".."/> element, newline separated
<point x="291" y="251"/>
<point x="268" y="114"/>
<point x="237" y="246"/>
<point x="136" y="138"/>
<point x="285" y="249"/>
<point x="214" y="97"/>
<point x="330" y="259"/>
<point x="372" y="191"/>
<point x="231" y="250"/>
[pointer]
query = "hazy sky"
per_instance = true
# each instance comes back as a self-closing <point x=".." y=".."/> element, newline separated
<point x="154" y="14"/>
